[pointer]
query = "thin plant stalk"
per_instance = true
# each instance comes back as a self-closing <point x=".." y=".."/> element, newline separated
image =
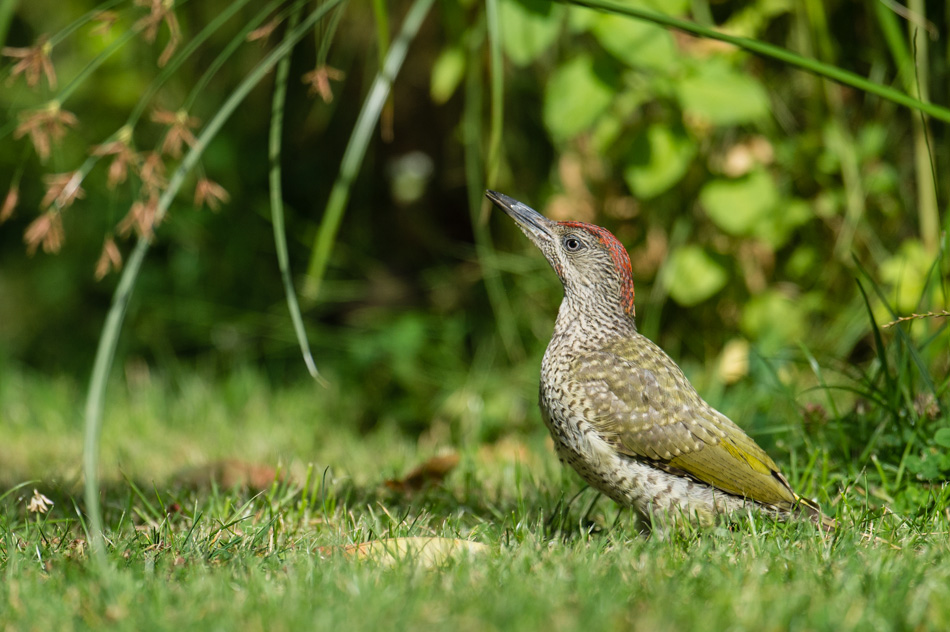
<point x="927" y="213"/>
<point x="105" y="352"/>
<point x="81" y="21"/>
<point x="325" y="37"/>
<point x="227" y="51"/>
<point x="7" y="9"/>
<point x="182" y="56"/>
<point x="277" y="205"/>
<point x="913" y="71"/>
<point x="356" y="147"/>
<point x="475" y="180"/>
<point x="497" y="92"/>
<point x="382" y="29"/>
<point x="381" y="15"/>
<point x="93" y="65"/>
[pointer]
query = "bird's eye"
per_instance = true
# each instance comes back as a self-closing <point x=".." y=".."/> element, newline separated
<point x="572" y="244"/>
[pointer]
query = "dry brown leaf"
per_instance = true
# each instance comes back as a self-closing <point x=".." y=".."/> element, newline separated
<point x="229" y="473"/>
<point x="507" y="450"/>
<point x="425" y="551"/>
<point x="431" y="472"/>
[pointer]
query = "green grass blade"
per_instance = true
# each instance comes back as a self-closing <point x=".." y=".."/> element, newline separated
<point x="768" y="50"/>
<point x="85" y="18"/>
<point x="819" y="375"/>
<point x="105" y="352"/>
<point x="901" y="334"/>
<point x="182" y="56"/>
<point x="356" y="148"/>
<point x="890" y="27"/>
<point x="477" y="204"/>
<point x="497" y="92"/>
<point x="326" y="37"/>
<point x="382" y="29"/>
<point x="7" y="9"/>
<point x="878" y="340"/>
<point x="923" y="155"/>
<point x="227" y="51"/>
<point x="277" y="205"/>
<point x="93" y="65"/>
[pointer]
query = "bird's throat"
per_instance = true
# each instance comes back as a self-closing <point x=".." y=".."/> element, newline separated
<point x="592" y="327"/>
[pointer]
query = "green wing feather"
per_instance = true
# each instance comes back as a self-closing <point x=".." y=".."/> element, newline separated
<point x="645" y="407"/>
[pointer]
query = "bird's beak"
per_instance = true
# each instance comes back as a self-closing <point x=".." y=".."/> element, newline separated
<point x="536" y="226"/>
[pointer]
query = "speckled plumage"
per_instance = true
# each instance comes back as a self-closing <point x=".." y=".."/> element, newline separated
<point x="621" y="412"/>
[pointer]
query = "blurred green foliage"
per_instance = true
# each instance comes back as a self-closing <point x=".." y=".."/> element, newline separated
<point x="747" y="194"/>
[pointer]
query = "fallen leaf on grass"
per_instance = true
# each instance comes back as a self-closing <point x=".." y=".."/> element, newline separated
<point x="431" y="472"/>
<point x="227" y="474"/>
<point x="507" y="450"/>
<point x="424" y="551"/>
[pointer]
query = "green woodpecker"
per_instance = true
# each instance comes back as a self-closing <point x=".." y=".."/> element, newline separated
<point x="621" y="412"/>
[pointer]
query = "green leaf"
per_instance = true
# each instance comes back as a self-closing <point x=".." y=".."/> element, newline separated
<point x="783" y="220"/>
<point x="658" y="159"/>
<point x="773" y="320"/>
<point x="528" y="28"/>
<point x="615" y="124"/>
<point x="693" y="276"/>
<point x="926" y="467"/>
<point x="906" y="272"/>
<point x="942" y="437"/>
<point x="577" y="93"/>
<point x="740" y="206"/>
<point x="637" y="44"/>
<point x="447" y="73"/>
<point x="722" y="96"/>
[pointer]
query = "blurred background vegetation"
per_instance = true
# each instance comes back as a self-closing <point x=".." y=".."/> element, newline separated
<point x="751" y="196"/>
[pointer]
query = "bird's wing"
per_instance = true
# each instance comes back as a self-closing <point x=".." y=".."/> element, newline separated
<point x="644" y="406"/>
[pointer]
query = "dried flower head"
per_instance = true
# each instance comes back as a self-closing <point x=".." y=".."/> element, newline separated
<point x="153" y="172"/>
<point x="210" y="193"/>
<point x="9" y="203"/>
<point x="319" y="81"/>
<point x="124" y="157"/>
<point x="104" y="21"/>
<point x="33" y="61"/>
<point x="47" y="229"/>
<point x="45" y="126"/>
<point x="39" y="503"/>
<point x="62" y="189"/>
<point x="179" y="130"/>
<point x="265" y="31"/>
<point x="110" y="259"/>
<point x="141" y="218"/>
<point x="160" y="11"/>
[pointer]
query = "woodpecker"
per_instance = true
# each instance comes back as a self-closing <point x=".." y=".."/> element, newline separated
<point x="622" y="413"/>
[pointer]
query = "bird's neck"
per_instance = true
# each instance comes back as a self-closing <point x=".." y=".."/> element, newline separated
<point x="591" y="326"/>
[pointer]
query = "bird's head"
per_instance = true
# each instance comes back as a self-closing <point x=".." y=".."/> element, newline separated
<point x="593" y="265"/>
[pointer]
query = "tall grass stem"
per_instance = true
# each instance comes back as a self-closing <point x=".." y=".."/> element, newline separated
<point x="277" y="205"/>
<point x="356" y="148"/>
<point x="105" y="352"/>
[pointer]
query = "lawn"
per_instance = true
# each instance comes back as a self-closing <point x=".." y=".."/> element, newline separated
<point x="779" y="196"/>
<point x="235" y="503"/>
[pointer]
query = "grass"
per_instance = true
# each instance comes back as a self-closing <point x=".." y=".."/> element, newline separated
<point x="184" y="551"/>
